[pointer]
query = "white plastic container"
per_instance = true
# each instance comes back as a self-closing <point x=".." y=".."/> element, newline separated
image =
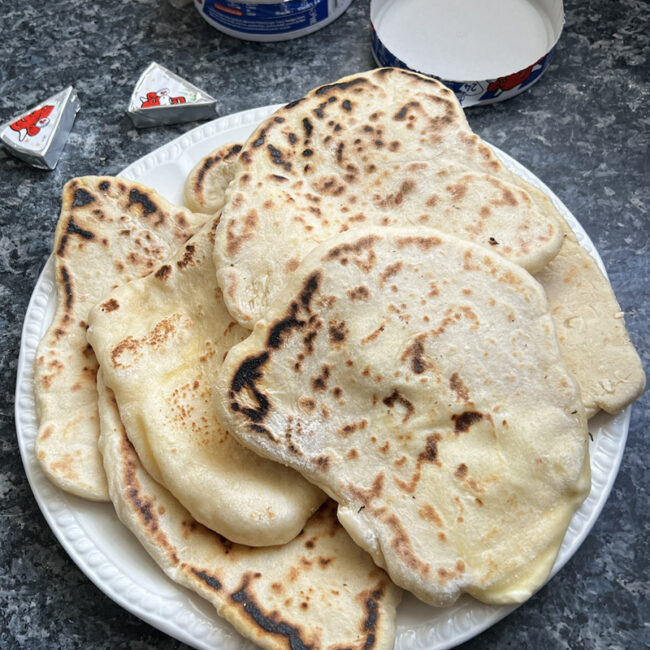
<point x="270" y="20"/>
<point x="484" y="50"/>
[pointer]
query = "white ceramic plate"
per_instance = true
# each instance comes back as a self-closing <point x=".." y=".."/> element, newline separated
<point x="111" y="557"/>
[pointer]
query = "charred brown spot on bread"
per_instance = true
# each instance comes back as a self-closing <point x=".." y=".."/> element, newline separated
<point x="283" y="326"/>
<point x="143" y="199"/>
<point x="456" y="384"/>
<point x="319" y="383"/>
<point x="82" y="197"/>
<point x="429" y="455"/>
<point x="181" y="220"/>
<point x="163" y="272"/>
<point x="308" y="404"/>
<point x="47" y="432"/>
<point x="370" y="600"/>
<point x="73" y="229"/>
<point x="428" y="512"/>
<point x="342" y="85"/>
<point x="401" y="545"/>
<point x="160" y="333"/>
<point x="246" y="376"/>
<point x="207" y="578"/>
<point x="208" y="163"/>
<point x="373" y="335"/>
<point x="430" y="452"/>
<point x="277" y="157"/>
<point x="188" y="256"/>
<point x="404" y="110"/>
<point x="68" y="292"/>
<point x="110" y="305"/>
<point x="395" y="199"/>
<point x="457" y="190"/>
<point x="359" y="293"/>
<point x="415" y="353"/>
<point x="271" y="623"/>
<point x="348" y="429"/>
<point x="330" y="185"/>
<point x="308" y="126"/>
<point x="463" y="421"/>
<point x="461" y="471"/>
<point x="233" y="151"/>
<point x="235" y="241"/>
<point x="507" y="198"/>
<point x="104" y="186"/>
<point x="337" y="332"/>
<point x="65" y="467"/>
<point x="366" y="496"/>
<point x="397" y="398"/>
<point x="260" y="139"/>
<point x="322" y="462"/>
<point x="258" y="428"/>
<point x="422" y="242"/>
<point x="139" y="503"/>
<point x="355" y="251"/>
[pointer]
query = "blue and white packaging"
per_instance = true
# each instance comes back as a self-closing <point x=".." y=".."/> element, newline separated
<point x="484" y="50"/>
<point x="270" y="20"/>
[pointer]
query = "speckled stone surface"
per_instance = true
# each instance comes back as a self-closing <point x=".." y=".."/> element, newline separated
<point x="584" y="129"/>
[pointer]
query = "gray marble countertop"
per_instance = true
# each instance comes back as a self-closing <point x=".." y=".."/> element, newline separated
<point x="584" y="129"/>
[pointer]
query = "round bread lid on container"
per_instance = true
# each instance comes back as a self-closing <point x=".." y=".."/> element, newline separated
<point x="270" y="20"/>
<point x="484" y="50"/>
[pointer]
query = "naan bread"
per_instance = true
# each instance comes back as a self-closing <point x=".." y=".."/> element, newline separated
<point x="591" y="331"/>
<point x="206" y="184"/>
<point x="160" y="341"/>
<point x="383" y="148"/>
<point x="319" y="591"/>
<point x="110" y="231"/>
<point x="416" y="378"/>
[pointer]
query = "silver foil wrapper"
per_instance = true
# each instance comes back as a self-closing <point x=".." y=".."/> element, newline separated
<point x="162" y="97"/>
<point x="38" y="135"/>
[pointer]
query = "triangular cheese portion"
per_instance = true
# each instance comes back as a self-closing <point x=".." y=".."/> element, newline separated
<point x="162" y="97"/>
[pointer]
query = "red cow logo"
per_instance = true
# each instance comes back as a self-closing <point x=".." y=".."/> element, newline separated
<point x="160" y="98"/>
<point x="32" y="123"/>
<point x="521" y="78"/>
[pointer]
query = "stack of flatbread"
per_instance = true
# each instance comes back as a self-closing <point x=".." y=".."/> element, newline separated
<point x="362" y="360"/>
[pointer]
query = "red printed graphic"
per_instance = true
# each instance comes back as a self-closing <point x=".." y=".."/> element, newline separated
<point x="513" y="80"/>
<point x="228" y="10"/>
<point x="32" y="123"/>
<point x="160" y="98"/>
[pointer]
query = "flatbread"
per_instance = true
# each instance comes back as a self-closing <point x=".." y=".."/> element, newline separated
<point x="591" y="331"/>
<point x="319" y="591"/>
<point x="205" y="185"/>
<point x="596" y="348"/>
<point x="110" y="231"/>
<point x="383" y="148"/>
<point x="417" y="379"/>
<point x="160" y="341"/>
